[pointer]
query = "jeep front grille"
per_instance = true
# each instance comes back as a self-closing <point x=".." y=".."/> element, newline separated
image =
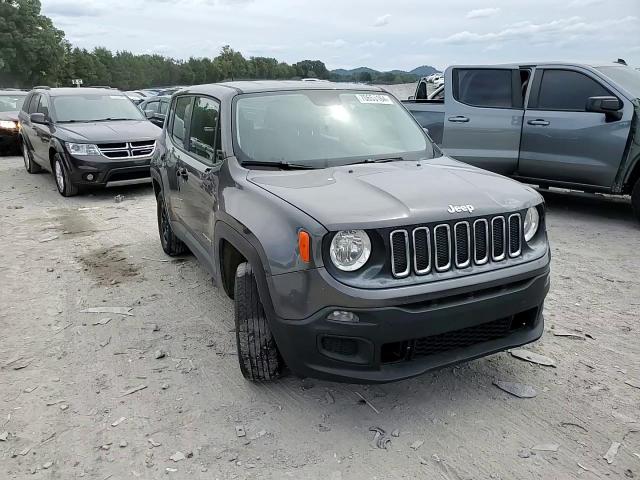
<point x="455" y="245"/>
<point x="143" y="148"/>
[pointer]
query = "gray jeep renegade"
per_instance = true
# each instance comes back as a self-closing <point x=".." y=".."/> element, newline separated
<point x="353" y="249"/>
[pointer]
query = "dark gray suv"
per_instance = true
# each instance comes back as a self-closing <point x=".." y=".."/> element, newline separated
<point x="353" y="249"/>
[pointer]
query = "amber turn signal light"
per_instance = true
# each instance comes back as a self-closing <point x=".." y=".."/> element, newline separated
<point x="304" y="246"/>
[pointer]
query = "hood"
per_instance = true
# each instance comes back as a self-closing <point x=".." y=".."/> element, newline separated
<point x="108" y="132"/>
<point x="9" y="116"/>
<point x="395" y="194"/>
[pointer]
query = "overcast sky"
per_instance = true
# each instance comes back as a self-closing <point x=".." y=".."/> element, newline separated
<point x="381" y="34"/>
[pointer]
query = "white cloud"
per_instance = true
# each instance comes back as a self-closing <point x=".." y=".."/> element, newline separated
<point x="338" y="43"/>
<point x="482" y="12"/>
<point x="66" y="8"/>
<point x="540" y="32"/>
<point x="371" y="44"/>
<point x="382" y="20"/>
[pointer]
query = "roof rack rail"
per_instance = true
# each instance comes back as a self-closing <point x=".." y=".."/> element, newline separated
<point x="42" y="87"/>
<point x="102" y="86"/>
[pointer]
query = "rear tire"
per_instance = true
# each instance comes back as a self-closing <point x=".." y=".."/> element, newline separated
<point x="635" y="199"/>
<point x="63" y="178"/>
<point x="29" y="165"/>
<point x="171" y="244"/>
<point x="257" y="350"/>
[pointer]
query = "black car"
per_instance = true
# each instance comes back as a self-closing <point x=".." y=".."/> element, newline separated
<point x="155" y="109"/>
<point x="10" y="103"/>
<point x="86" y="137"/>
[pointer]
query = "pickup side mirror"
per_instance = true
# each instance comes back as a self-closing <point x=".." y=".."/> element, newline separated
<point x="610" y="106"/>
<point x="412" y="97"/>
<point x="38" y="118"/>
<point x="149" y="113"/>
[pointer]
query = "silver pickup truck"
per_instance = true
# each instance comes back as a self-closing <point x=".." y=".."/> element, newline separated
<point x="550" y="124"/>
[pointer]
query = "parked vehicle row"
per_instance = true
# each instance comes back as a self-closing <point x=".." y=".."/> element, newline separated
<point x="549" y="124"/>
<point x="85" y="137"/>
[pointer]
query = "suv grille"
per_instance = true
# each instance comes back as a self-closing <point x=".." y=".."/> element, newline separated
<point x="127" y="150"/>
<point x="456" y="245"/>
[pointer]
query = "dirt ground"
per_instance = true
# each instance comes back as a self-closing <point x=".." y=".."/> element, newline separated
<point x="82" y="395"/>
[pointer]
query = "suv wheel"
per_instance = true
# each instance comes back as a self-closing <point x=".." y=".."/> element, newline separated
<point x="171" y="244"/>
<point x="29" y="164"/>
<point x="635" y="199"/>
<point x="257" y="350"/>
<point x="63" y="179"/>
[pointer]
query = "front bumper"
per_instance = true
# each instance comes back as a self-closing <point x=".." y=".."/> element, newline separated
<point x="9" y="140"/>
<point x="108" y="172"/>
<point x="397" y="341"/>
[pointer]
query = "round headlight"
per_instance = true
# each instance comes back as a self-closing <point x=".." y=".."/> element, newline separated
<point x="350" y="249"/>
<point x="531" y="223"/>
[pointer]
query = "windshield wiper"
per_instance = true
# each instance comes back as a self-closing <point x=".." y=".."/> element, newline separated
<point x="282" y="165"/>
<point x="378" y="160"/>
<point x="110" y="119"/>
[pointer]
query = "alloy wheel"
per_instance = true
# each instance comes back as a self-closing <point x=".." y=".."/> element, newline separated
<point x="59" y="175"/>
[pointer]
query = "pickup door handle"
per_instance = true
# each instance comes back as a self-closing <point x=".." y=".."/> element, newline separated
<point x="458" y="119"/>
<point x="182" y="172"/>
<point x="538" y="121"/>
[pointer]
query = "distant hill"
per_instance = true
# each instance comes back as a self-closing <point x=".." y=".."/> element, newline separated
<point x="369" y="75"/>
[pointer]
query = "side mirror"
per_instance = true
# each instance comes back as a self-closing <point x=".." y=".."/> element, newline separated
<point x="610" y="106"/>
<point x="149" y="113"/>
<point x="426" y="130"/>
<point x="38" y="118"/>
<point x="412" y="97"/>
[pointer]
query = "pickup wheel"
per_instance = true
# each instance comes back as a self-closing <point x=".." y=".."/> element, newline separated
<point x="635" y="199"/>
<point x="171" y="244"/>
<point x="257" y="350"/>
<point x="63" y="178"/>
<point x="29" y="164"/>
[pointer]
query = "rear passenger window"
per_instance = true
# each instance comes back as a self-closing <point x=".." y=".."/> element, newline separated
<point x="204" y="126"/>
<point x="182" y="113"/>
<point x="151" y="106"/>
<point x="163" y="107"/>
<point x="483" y="87"/>
<point x="567" y="90"/>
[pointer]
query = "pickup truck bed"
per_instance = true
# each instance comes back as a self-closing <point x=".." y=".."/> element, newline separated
<point x="430" y="114"/>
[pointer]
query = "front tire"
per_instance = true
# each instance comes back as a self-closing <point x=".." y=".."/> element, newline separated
<point x="171" y="244"/>
<point x="635" y="199"/>
<point x="257" y="350"/>
<point x="29" y="165"/>
<point x="63" y="178"/>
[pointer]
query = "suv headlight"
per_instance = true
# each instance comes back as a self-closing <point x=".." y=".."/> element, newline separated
<point x="350" y="249"/>
<point x="83" y="149"/>
<point x="531" y="223"/>
<point x="9" y="124"/>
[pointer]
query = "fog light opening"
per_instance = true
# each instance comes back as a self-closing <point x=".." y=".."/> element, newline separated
<point x="90" y="177"/>
<point x="343" y="316"/>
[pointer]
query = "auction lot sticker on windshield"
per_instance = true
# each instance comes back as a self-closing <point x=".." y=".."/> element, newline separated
<point x="374" y="98"/>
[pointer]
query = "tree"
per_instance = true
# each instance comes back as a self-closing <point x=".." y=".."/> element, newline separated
<point x="31" y="49"/>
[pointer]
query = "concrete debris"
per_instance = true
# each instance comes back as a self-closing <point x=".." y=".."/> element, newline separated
<point x="123" y="444"/>
<point x="177" y="457"/>
<point x="119" y="198"/>
<point x="633" y="383"/>
<point x="155" y="327"/>
<point x="364" y="401"/>
<point x="165" y="386"/>
<point x="64" y="407"/>
<point x="102" y="321"/>
<point x="47" y="465"/>
<point x="612" y="452"/>
<point x="380" y="440"/>
<point x="105" y="342"/>
<point x="106" y="446"/>
<point x="153" y="442"/>
<point x="48" y="238"/>
<point x="240" y="431"/>
<point x="114" y="310"/>
<point x="159" y="354"/>
<point x="517" y="389"/>
<point x="328" y="397"/>
<point x="133" y="390"/>
<point x="533" y="357"/>
<point x="417" y="444"/>
<point x="546" y="447"/>
<point x="23" y="452"/>
<point x="395" y="433"/>
<point x="524" y="453"/>
<point x="118" y="421"/>
<point x="30" y="389"/>
<point x="4" y="436"/>
<point x="567" y="333"/>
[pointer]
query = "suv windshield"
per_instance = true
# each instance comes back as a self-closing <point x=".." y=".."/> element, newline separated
<point x="626" y="77"/>
<point x="11" y="103"/>
<point x="314" y="126"/>
<point x="94" y="107"/>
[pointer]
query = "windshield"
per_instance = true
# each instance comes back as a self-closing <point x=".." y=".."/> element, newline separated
<point x="92" y="107"/>
<point x="11" y="103"/>
<point x="312" y="127"/>
<point x="626" y="77"/>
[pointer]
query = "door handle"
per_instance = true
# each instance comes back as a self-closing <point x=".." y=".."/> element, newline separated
<point x="539" y="121"/>
<point x="458" y="119"/>
<point x="182" y="172"/>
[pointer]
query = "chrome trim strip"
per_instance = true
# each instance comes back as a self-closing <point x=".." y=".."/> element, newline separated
<point x="487" y="241"/>
<point x="134" y="181"/>
<point x="455" y="237"/>
<point x="504" y="239"/>
<point x="519" y="251"/>
<point x="406" y="253"/>
<point x="132" y="152"/>
<point x="435" y="242"/>
<point x="415" y="261"/>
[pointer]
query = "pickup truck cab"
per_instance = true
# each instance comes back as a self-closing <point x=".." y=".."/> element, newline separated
<point x="550" y="124"/>
<point x="352" y="248"/>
